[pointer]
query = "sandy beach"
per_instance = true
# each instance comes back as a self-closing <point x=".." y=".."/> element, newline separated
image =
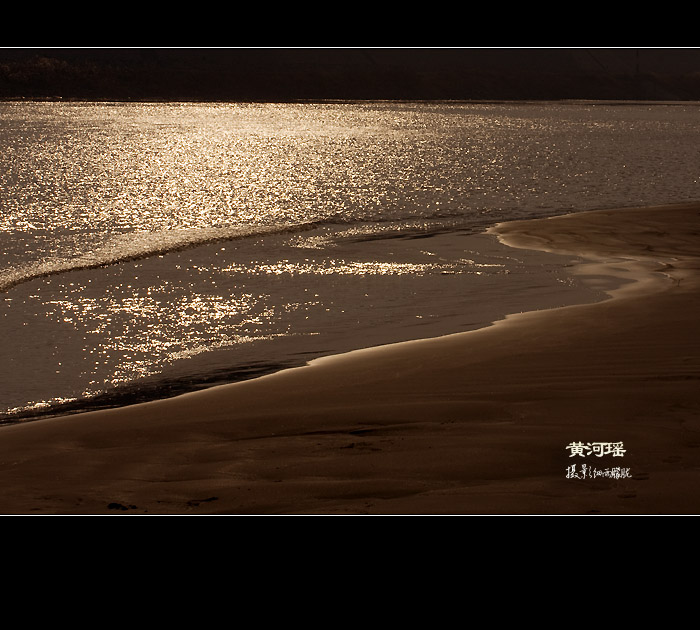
<point x="470" y="423"/>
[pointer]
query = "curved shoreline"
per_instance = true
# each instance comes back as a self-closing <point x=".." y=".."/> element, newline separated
<point x="462" y="296"/>
<point x="471" y="423"/>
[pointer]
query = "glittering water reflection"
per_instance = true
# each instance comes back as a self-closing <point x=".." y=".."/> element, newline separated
<point x="341" y="267"/>
<point x="176" y="241"/>
<point x="186" y="315"/>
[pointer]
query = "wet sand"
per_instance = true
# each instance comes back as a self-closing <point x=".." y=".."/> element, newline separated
<point x="472" y="423"/>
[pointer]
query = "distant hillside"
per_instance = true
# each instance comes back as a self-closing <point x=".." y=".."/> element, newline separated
<point x="272" y="74"/>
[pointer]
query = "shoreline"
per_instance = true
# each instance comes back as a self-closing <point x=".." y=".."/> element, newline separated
<point x="460" y="280"/>
<point x="471" y="423"/>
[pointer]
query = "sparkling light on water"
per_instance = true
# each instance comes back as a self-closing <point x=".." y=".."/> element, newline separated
<point x="240" y="228"/>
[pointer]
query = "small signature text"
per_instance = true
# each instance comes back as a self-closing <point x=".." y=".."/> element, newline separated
<point x="596" y="449"/>
<point x="591" y="472"/>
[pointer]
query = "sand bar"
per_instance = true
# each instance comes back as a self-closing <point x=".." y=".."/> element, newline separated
<point x="471" y="423"/>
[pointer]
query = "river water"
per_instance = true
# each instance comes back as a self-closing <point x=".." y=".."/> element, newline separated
<point x="151" y="249"/>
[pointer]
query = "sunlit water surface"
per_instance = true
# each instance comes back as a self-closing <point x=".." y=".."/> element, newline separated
<point x="151" y="249"/>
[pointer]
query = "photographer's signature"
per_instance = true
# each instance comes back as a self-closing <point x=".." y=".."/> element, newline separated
<point x="597" y="449"/>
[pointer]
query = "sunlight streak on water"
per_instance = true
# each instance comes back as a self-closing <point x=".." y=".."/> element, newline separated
<point x="139" y="240"/>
